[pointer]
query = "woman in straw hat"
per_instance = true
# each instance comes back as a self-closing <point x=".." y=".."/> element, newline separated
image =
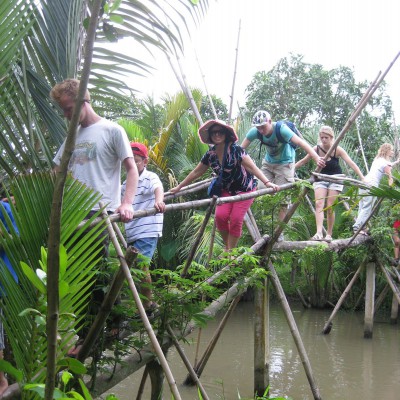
<point x="238" y="176"/>
<point x="328" y="191"/>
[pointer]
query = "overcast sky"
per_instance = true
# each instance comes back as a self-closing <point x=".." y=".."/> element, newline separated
<point x="363" y="35"/>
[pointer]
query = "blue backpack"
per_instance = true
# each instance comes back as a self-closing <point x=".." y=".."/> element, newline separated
<point x="278" y="125"/>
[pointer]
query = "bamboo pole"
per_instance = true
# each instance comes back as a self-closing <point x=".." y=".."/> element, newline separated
<point x="185" y="360"/>
<point x="185" y="89"/>
<point x="199" y="236"/>
<point x="328" y="325"/>
<point x="199" y="368"/>
<point x="389" y="280"/>
<point x="369" y="300"/>
<point x="53" y="244"/>
<point x="234" y="75"/>
<point x="261" y="332"/>
<point x="205" y="87"/>
<point x="252" y="226"/>
<point x="294" y="331"/>
<point x="142" y="313"/>
<point x="362" y="148"/>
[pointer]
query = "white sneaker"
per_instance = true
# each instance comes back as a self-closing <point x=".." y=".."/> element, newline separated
<point x="281" y="238"/>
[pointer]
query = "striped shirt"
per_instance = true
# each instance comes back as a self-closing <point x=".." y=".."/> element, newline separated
<point x="152" y="225"/>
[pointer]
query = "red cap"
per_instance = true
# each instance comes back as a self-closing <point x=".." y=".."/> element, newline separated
<point x="140" y="149"/>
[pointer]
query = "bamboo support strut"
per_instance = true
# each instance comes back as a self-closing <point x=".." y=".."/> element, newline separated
<point x="143" y="315"/>
<point x="389" y="279"/>
<point x="199" y="236"/>
<point x="328" y="325"/>
<point x="185" y="360"/>
<point x="294" y="331"/>
<point x="199" y="368"/>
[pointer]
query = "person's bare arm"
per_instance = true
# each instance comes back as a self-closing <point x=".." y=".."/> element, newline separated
<point x="159" y="199"/>
<point x="248" y="163"/>
<point x="309" y="150"/>
<point x="132" y="179"/>
<point x="245" y="143"/>
<point x="196" y="173"/>
<point x="303" y="161"/>
<point x="388" y="172"/>
<point x="346" y="158"/>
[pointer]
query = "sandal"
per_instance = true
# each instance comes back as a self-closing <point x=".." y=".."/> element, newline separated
<point x="317" y="237"/>
<point x="328" y="238"/>
<point x="364" y="233"/>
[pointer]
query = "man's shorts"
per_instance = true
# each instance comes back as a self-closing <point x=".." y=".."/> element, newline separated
<point x="328" y="186"/>
<point x="280" y="174"/>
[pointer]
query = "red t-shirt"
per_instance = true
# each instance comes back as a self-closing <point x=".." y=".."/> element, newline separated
<point x="396" y="224"/>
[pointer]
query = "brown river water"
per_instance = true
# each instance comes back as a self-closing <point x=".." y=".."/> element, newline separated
<point x="345" y="365"/>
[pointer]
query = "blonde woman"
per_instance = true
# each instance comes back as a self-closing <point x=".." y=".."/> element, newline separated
<point x="381" y="166"/>
<point x="327" y="192"/>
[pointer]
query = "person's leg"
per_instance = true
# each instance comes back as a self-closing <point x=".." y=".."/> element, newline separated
<point x="330" y="213"/>
<point x="269" y="174"/>
<point x="238" y="211"/>
<point x="364" y="210"/>
<point x="284" y="173"/>
<point x="146" y="248"/>
<point x="222" y="221"/>
<point x="320" y="193"/>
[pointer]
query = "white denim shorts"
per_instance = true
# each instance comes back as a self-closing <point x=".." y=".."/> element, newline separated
<point x="328" y="186"/>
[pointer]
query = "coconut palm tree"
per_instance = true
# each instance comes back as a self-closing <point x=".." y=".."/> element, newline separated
<point x="42" y="43"/>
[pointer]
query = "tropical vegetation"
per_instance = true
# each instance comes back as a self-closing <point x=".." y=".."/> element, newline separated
<point x="42" y="43"/>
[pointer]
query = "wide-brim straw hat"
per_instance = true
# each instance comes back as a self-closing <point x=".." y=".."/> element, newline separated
<point x="204" y="131"/>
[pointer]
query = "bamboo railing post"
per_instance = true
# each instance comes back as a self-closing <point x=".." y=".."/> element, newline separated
<point x="294" y="331"/>
<point x="199" y="236"/>
<point x="252" y="226"/>
<point x="199" y="368"/>
<point x="143" y="315"/>
<point x="328" y="325"/>
<point x="261" y="339"/>
<point x="234" y="75"/>
<point x="389" y="280"/>
<point x="369" y="300"/>
<point x="185" y="360"/>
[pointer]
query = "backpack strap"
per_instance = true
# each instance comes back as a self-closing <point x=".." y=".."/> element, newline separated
<point x="278" y="125"/>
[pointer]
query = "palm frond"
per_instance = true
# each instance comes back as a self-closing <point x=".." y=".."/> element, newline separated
<point x="33" y="200"/>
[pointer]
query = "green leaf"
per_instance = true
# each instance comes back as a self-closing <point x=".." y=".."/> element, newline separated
<point x="115" y="5"/>
<point x="40" y="320"/>
<point x="36" y="387"/>
<point x="6" y="367"/>
<point x="73" y="365"/>
<point x="117" y="19"/>
<point x="34" y="279"/>
<point x="23" y="313"/>
<point x="85" y="390"/>
<point x="66" y="377"/>
<point x="43" y="253"/>
<point x="63" y="288"/>
<point x="63" y="261"/>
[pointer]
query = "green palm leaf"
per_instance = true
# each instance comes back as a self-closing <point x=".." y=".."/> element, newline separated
<point x="26" y="331"/>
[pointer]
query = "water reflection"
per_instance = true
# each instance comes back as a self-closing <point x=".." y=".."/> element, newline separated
<point x="345" y="365"/>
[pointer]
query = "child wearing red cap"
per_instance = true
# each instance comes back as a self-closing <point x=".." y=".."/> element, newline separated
<point x="143" y="233"/>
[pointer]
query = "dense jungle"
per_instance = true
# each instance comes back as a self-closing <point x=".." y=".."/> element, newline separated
<point x="46" y="41"/>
